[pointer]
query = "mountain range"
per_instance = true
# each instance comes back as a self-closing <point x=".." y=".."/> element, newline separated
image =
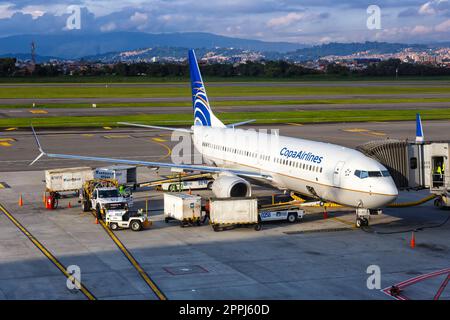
<point x="133" y="46"/>
<point x="73" y="45"/>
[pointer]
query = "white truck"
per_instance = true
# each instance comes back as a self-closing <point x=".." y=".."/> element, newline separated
<point x="290" y="215"/>
<point x="183" y="207"/>
<point x="232" y="212"/>
<point x="104" y="198"/>
<point x="67" y="179"/>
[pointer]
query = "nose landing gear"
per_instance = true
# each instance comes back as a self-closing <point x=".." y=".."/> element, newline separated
<point x="362" y="217"/>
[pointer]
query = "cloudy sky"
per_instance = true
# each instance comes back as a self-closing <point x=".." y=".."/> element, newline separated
<point x="301" y="21"/>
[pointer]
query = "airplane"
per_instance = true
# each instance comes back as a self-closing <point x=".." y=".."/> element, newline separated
<point x="236" y="157"/>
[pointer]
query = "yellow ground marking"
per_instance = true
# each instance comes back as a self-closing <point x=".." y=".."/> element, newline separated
<point x="10" y="129"/>
<point x="38" y="111"/>
<point x="355" y="130"/>
<point x="352" y="225"/>
<point x="6" y="142"/>
<point x="365" y="132"/>
<point x="169" y="151"/>
<point x="295" y="124"/>
<point x="48" y="254"/>
<point x="117" y="136"/>
<point x="133" y="261"/>
<point x="87" y="135"/>
<point x="107" y="128"/>
<point x="158" y="140"/>
<point x="376" y="133"/>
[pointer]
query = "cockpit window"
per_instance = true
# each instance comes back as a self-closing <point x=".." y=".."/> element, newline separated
<point x="362" y="174"/>
<point x="385" y="173"/>
<point x="375" y="174"/>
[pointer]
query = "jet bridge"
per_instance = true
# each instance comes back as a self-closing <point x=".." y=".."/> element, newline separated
<point x="414" y="164"/>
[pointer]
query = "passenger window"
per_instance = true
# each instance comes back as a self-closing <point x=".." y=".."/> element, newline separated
<point x="413" y="163"/>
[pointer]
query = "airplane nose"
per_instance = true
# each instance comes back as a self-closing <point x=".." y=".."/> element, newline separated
<point x="390" y="191"/>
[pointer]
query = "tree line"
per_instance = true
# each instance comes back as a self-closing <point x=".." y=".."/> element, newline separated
<point x="264" y="69"/>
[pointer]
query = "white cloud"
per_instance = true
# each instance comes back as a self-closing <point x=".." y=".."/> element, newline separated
<point x="110" y="26"/>
<point x="139" y="18"/>
<point x="443" y="27"/>
<point x="5" y="11"/>
<point x="420" y="30"/>
<point x="287" y="20"/>
<point x="434" y="7"/>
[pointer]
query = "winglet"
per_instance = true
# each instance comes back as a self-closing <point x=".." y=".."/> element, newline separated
<point x="42" y="153"/>
<point x="419" y="130"/>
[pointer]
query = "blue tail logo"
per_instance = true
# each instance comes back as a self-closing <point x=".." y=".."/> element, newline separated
<point x="203" y="114"/>
<point x="419" y="130"/>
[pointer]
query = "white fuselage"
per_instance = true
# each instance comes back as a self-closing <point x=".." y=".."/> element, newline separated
<point x="327" y="171"/>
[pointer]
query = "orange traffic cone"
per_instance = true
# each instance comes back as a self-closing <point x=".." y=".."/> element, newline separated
<point x="69" y="206"/>
<point x="20" y="201"/>
<point x="96" y="220"/>
<point x="190" y="191"/>
<point x="412" y="243"/>
<point x="44" y="198"/>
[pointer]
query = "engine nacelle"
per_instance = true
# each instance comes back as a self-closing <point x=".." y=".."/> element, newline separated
<point x="229" y="186"/>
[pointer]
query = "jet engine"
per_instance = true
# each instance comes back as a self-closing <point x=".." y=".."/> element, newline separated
<point x="229" y="186"/>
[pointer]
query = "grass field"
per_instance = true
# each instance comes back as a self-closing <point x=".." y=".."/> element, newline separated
<point x="247" y="95"/>
<point x="171" y="92"/>
<point x="262" y="118"/>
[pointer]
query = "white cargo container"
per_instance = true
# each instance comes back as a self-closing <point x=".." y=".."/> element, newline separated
<point x="67" y="179"/>
<point x="183" y="207"/>
<point x="234" y="211"/>
<point x="123" y="174"/>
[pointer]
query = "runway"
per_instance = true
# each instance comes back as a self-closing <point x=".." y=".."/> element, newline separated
<point x="231" y="83"/>
<point x="152" y="145"/>
<point x="43" y="101"/>
<point x="119" y="111"/>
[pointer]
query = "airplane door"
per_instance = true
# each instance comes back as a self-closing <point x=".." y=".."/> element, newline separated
<point x="337" y="173"/>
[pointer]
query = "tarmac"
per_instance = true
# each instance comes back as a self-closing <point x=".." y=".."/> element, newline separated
<point x="316" y="258"/>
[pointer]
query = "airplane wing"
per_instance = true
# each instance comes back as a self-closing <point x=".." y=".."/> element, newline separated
<point x="155" y="127"/>
<point x="232" y="125"/>
<point x="250" y="174"/>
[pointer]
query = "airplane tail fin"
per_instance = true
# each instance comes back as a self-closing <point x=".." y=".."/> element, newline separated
<point x="419" y="130"/>
<point x="203" y="115"/>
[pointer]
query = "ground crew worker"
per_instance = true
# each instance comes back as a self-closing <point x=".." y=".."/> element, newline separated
<point x="121" y="190"/>
<point x="439" y="170"/>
